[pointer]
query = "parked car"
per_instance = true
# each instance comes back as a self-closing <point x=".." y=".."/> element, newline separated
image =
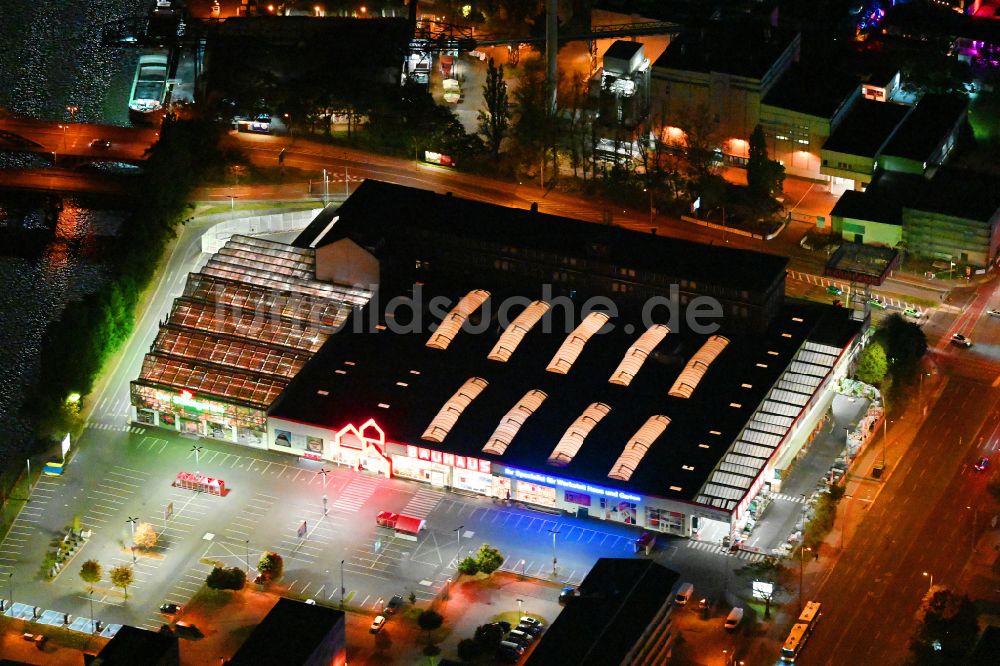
<point x="520" y="637"/>
<point x="394" y="605"/>
<point x="532" y="630"/>
<point x="684" y="594"/>
<point x="982" y="464"/>
<point x="170" y="609"/>
<point x="645" y="542"/>
<point x="960" y="340"/>
<point x="733" y="619"/>
<point x="509" y="655"/>
<point x="101" y="144"/>
<point x="993" y="312"/>
<point x="834" y="289"/>
<point x="377" y="624"/>
<point x="527" y="619"/>
<point x="913" y="312"/>
<point x="567" y="594"/>
<point x="877" y="303"/>
<point x="187" y="630"/>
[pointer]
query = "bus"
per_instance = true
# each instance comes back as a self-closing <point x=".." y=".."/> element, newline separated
<point x="800" y="631"/>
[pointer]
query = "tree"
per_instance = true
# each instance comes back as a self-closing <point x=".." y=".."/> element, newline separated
<point x="768" y="570"/>
<point x="946" y="627"/>
<point x="469" y="649"/>
<point x="701" y="137"/>
<point x="531" y="130"/>
<point x="873" y="365"/>
<point x="488" y="636"/>
<point x="90" y="572"/>
<point x="270" y="566"/>
<point x="488" y="559"/>
<point x="429" y="620"/>
<point x="145" y="536"/>
<point x="468" y="566"/>
<point x="495" y="119"/>
<point x="904" y="343"/>
<point x="765" y="177"/>
<point x="233" y="578"/>
<point x="122" y="576"/>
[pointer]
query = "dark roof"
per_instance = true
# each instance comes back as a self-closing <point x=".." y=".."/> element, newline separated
<point x="920" y="20"/>
<point x="289" y="634"/>
<point x="359" y="372"/>
<point x="866" y="128"/>
<point x="813" y="92"/>
<point x="959" y="193"/>
<point x="868" y="206"/>
<point x="856" y="262"/>
<point x="987" y="648"/>
<point x="131" y="645"/>
<point x="378" y="214"/>
<point x="926" y="128"/>
<point x="618" y="600"/>
<point x="623" y="50"/>
<point x="740" y="48"/>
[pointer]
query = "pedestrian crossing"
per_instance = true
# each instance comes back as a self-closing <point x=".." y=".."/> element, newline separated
<point x="708" y="547"/>
<point x="136" y="430"/>
<point x="355" y="494"/>
<point x="788" y="498"/>
<point x="423" y="503"/>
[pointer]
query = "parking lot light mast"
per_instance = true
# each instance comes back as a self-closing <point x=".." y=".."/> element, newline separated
<point x="93" y="625"/>
<point x="802" y="556"/>
<point x="248" y="556"/>
<point x="323" y="472"/>
<point x="197" y="454"/>
<point x="10" y="580"/>
<point x="132" y="521"/>
<point x="931" y="576"/>
<point x="555" y="560"/>
<point x="324" y="504"/>
<point x="520" y="612"/>
<point x="342" y="583"/>
<point x="458" y="542"/>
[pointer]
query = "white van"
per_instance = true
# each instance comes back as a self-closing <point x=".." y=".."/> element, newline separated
<point x="684" y="594"/>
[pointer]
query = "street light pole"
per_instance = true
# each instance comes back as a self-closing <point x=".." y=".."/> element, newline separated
<point x="197" y="453"/>
<point x="248" y="556"/>
<point x="802" y="553"/>
<point x="458" y="542"/>
<point x="931" y="576"/>
<point x="10" y="579"/>
<point x="975" y="520"/>
<point x="342" y="583"/>
<point x="93" y="625"/>
<point x="323" y="472"/>
<point x="132" y="521"/>
<point x="555" y="560"/>
<point x="324" y="505"/>
<point x="520" y="612"/>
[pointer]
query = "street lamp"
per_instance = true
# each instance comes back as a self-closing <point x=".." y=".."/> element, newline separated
<point x="93" y="625"/>
<point x="522" y="567"/>
<point x="519" y="611"/>
<point x="555" y="560"/>
<point x="975" y="520"/>
<point x="802" y="554"/>
<point x="132" y="521"/>
<point x="931" y="576"/>
<point x="342" y="583"/>
<point x="458" y="542"/>
<point x="324" y="504"/>
<point x="10" y="579"/>
<point x="197" y="454"/>
<point x="323" y="472"/>
<point x="248" y="556"/>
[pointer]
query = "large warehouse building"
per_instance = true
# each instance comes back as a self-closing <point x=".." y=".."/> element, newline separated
<point x="523" y="356"/>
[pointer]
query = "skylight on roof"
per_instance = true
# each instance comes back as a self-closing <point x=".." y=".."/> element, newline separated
<point x="511" y="423"/>
<point x="572" y="440"/>
<point x="637" y="447"/>
<point x="696" y="368"/>
<point x="453" y="322"/>
<point x="637" y="354"/>
<point x="574" y="342"/>
<point x="448" y="416"/>
<point x="512" y="337"/>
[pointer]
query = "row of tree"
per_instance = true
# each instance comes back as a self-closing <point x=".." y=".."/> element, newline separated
<point x="120" y="576"/>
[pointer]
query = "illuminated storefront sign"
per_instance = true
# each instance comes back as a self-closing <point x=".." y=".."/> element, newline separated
<point x="572" y="485"/>
<point x="186" y="399"/>
<point x="449" y="459"/>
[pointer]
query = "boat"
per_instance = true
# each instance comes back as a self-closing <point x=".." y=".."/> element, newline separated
<point x="148" y="89"/>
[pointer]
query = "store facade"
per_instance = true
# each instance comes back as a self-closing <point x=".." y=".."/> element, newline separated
<point x="365" y="448"/>
<point x="185" y="412"/>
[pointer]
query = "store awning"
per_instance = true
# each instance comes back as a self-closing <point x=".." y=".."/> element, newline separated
<point x="409" y="524"/>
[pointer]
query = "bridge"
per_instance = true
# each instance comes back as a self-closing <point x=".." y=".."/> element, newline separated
<point x="69" y="144"/>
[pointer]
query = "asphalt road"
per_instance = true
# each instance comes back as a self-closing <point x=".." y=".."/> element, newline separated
<point x="73" y="139"/>
<point x="921" y="522"/>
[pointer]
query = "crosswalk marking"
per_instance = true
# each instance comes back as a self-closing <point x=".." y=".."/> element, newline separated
<point x="421" y="504"/>
<point x="788" y="498"/>
<point x="137" y="430"/>
<point x="355" y="494"/>
<point x="707" y="547"/>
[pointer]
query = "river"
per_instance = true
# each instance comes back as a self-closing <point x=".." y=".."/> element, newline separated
<point x="51" y="57"/>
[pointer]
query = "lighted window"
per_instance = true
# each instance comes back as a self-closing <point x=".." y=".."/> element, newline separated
<point x="573" y="438"/>
<point x="696" y="368"/>
<point x="511" y="423"/>
<point x="637" y="354"/>
<point x="687" y="468"/>
<point x="704" y="446"/>
<point x="403" y="384"/>
<point x="445" y="420"/>
<point x="786" y="335"/>
<point x="761" y="365"/>
<point x="714" y="432"/>
<point x="574" y="342"/>
<point x="453" y="322"/>
<point x="797" y="319"/>
<point x="676" y="488"/>
<point x="383" y="405"/>
<point x="322" y="392"/>
<point x="735" y="405"/>
<point x="637" y="447"/>
<point x="340" y="372"/>
<point x="746" y="386"/>
<point x="772" y="353"/>
<point x="512" y="337"/>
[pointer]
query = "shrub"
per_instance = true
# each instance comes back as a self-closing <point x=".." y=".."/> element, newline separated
<point x="270" y="566"/>
<point x="468" y="566"/>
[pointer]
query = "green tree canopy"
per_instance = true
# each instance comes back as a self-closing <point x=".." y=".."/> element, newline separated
<point x="488" y="559"/>
<point x="904" y="343"/>
<point x="495" y="118"/>
<point x="271" y="566"/>
<point x="946" y="627"/>
<point x="233" y="578"/>
<point x="122" y="576"/>
<point x="90" y="572"/>
<point x="765" y="177"/>
<point x="872" y="364"/>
